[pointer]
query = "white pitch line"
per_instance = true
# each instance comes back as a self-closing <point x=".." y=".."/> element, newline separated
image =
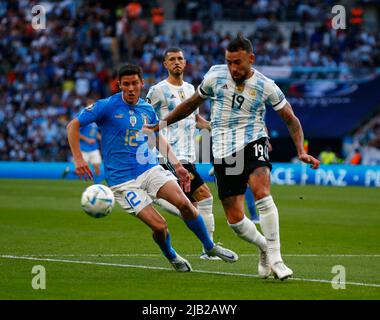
<point x="196" y="255"/>
<point x="170" y="269"/>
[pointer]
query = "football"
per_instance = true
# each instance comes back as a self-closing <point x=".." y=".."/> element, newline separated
<point x="97" y="201"/>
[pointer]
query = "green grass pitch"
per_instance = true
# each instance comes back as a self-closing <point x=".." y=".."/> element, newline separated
<point x="41" y="223"/>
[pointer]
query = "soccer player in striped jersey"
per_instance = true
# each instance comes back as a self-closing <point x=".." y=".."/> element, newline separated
<point x="239" y="95"/>
<point x="164" y="97"/>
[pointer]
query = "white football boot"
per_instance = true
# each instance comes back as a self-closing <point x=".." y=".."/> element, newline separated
<point x="223" y="253"/>
<point x="264" y="269"/>
<point x="281" y="271"/>
<point x="180" y="264"/>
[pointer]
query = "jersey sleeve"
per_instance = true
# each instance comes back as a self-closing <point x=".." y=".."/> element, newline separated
<point x="276" y="97"/>
<point x="206" y="88"/>
<point x="92" y="113"/>
<point x="153" y="97"/>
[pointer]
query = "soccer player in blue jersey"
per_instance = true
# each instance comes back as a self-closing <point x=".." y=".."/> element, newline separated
<point x="239" y="95"/>
<point x="132" y="173"/>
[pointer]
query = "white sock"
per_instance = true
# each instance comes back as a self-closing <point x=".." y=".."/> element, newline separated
<point x="168" y="206"/>
<point x="247" y="230"/>
<point x="270" y="227"/>
<point x="205" y="210"/>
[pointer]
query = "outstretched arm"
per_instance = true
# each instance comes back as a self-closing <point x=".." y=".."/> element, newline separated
<point x="183" y="110"/>
<point x="295" y="129"/>
<point x="81" y="167"/>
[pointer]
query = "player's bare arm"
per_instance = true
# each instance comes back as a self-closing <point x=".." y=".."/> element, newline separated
<point x="183" y="110"/>
<point x="81" y="167"/>
<point x="167" y="152"/>
<point x="202" y="123"/>
<point x="295" y="129"/>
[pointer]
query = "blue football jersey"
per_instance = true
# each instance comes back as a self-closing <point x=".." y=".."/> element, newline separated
<point x="125" y="150"/>
<point x="90" y="131"/>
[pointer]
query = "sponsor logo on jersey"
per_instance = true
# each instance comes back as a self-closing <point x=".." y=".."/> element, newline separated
<point x="225" y="87"/>
<point x="119" y="116"/>
<point x="90" y="107"/>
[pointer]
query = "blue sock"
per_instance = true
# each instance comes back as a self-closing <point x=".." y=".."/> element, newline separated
<point x="166" y="247"/>
<point x="199" y="228"/>
<point x="251" y="204"/>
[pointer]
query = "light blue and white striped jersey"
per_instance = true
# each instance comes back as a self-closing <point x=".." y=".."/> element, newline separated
<point x="164" y="97"/>
<point x="237" y="114"/>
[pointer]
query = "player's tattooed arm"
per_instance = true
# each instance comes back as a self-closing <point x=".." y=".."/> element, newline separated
<point x="184" y="109"/>
<point x="295" y="129"/>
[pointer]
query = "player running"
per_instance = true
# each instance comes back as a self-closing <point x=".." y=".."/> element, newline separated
<point x="164" y="97"/>
<point x="238" y="96"/>
<point x="132" y="173"/>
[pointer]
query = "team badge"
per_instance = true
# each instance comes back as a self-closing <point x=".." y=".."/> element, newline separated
<point x="181" y="95"/>
<point x="133" y="120"/>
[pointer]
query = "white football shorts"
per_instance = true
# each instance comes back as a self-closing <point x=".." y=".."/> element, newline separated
<point x="135" y="195"/>
<point x="92" y="157"/>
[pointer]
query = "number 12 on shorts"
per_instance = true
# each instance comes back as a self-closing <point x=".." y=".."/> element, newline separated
<point x="132" y="198"/>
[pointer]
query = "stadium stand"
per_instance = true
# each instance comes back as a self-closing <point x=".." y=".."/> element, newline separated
<point x="47" y="75"/>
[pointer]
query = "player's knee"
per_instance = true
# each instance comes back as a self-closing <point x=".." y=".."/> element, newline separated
<point x="202" y="193"/>
<point x="161" y="228"/>
<point x="261" y="193"/>
<point x="186" y="208"/>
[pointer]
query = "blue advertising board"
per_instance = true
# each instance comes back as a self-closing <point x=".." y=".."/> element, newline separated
<point x="282" y="173"/>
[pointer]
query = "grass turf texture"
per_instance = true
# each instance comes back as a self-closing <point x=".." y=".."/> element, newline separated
<point x="320" y="227"/>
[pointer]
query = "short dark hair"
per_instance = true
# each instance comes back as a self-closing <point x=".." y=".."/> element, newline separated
<point x="130" y="70"/>
<point x="172" y="49"/>
<point x="240" y="43"/>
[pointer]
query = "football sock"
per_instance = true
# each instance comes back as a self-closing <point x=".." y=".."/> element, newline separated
<point x="251" y="204"/>
<point x="205" y="210"/>
<point x="168" y="207"/>
<point x="270" y="226"/>
<point x="165" y="246"/>
<point x="198" y="226"/>
<point x="247" y="230"/>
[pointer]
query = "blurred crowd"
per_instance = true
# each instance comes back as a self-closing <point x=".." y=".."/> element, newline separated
<point x="47" y="75"/>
